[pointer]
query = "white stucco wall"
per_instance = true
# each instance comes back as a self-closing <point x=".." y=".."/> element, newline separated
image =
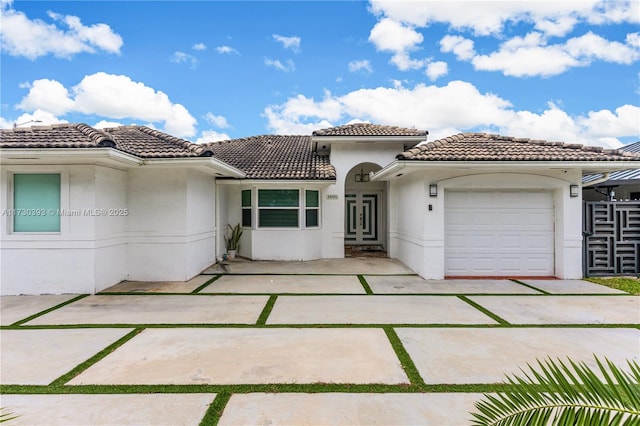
<point x="171" y="224"/>
<point x="271" y="243"/>
<point x="344" y="157"/>
<point x="87" y="254"/>
<point x="111" y="229"/>
<point x="153" y="224"/>
<point x="201" y="222"/>
<point x="325" y="242"/>
<point x="417" y="234"/>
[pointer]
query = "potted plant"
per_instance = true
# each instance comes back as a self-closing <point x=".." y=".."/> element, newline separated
<point x="232" y="242"/>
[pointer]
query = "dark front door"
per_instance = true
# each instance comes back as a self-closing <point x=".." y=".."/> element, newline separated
<point x="362" y="217"/>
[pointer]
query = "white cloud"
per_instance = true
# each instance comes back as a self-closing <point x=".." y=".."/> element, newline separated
<point x="226" y="49"/>
<point x="592" y="46"/>
<point x="103" y="124"/>
<point x="199" y="46"/>
<point x="35" y="118"/>
<point x="288" y="66"/>
<point x="445" y="110"/>
<point x="110" y="96"/>
<point x="531" y="56"/>
<point x="216" y="120"/>
<point x="391" y="36"/>
<point x="211" y="136"/>
<point x="5" y="124"/>
<point x="360" y="65"/>
<point x="47" y="95"/>
<point x="281" y="126"/>
<point x="292" y="43"/>
<point x="490" y="18"/>
<point x="181" y="57"/>
<point x="435" y="70"/>
<point x="404" y="62"/>
<point x="604" y="123"/>
<point x="22" y="36"/>
<point x="460" y="46"/>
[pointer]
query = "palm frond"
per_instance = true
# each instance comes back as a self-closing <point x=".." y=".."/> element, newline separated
<point x="570" y="393"/>
<point x="5" y="416"/>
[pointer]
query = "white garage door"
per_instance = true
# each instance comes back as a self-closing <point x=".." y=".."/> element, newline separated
<point x="505" y="233"/>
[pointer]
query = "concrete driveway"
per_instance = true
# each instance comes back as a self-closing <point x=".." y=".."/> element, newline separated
<point x="353" y="341"/>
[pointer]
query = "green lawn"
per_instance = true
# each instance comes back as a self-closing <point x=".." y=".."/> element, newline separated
<point x="628" y="284"/>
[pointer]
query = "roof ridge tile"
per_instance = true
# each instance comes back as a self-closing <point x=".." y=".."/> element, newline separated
<point x="199" y="150"/>
<point x="98" y="137"/>
<point x="472" y="146"/>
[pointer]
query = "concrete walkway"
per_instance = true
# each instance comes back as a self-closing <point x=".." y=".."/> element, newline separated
<point x="350" y="341"/>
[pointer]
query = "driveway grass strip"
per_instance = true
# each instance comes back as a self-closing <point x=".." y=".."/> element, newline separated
<point x="395" y="325"/>
<point x="251" y="388"/>
<point x="405" y="360"/>
<point x="262" y="319"/>
<point x="365" y="284"/>
<point x="530" y="286"/>
<point x="349" y="274"/>
<point x="284" y="293"/>
<point x="485" y="311"/>
<point x="97" y="357"/>
<point x="212" y="280"/>
<point x="214" y="412"/>
<point x="46" y="311"/>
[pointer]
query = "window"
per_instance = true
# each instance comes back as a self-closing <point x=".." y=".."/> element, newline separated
<point x="246" y="208"/>
<point x="312" y="207"/>
<point x="36" y="202"/>
<point x="278" y="208"/>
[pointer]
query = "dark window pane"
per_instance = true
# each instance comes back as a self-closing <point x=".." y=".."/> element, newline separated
<point x="312" y="218"/>
<point x="278" y="198"/>
<point x="246" y="198"/>
<point x="312" y="199"/>
<point x="246" y="217"/>
<point x="278" y="218"/>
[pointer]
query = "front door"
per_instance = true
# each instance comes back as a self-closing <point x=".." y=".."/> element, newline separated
<point x="362" y="217"/>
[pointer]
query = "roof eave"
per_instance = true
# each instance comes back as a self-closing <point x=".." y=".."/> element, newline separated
<point x="394" y="169"/>
<point x="108" y="156"/>
<point x="369" y="139"/>
<point x="215" y="166"/>
<point x="267" y="182"/>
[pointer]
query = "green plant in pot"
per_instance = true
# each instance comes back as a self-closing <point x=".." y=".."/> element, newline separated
<point x="232" y="242"/>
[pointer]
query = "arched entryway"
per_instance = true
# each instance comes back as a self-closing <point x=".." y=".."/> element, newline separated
<point x="365" y="212"/>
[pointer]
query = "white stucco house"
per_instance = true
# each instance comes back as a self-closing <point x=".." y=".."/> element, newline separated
<point x="83" y="209"/>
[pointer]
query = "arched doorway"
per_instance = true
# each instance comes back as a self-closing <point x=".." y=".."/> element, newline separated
<point x="365" y="212"/>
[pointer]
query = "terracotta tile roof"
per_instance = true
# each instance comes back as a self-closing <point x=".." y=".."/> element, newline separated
<point x="366" y="129"/>
<point x="140" y="141"/>
<point x="488" y="147"/>
<point x="144" y="142"/>
<point x="55" y="136"/>
<point x="275" y="157"/>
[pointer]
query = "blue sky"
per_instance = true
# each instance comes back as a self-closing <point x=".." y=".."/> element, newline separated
<point x="212" y="70"/>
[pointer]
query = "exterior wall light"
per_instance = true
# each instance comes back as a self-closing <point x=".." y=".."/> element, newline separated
<point x="362" y="176"/>
<point x="574" y="190"/>
<point x="433" y="190"/>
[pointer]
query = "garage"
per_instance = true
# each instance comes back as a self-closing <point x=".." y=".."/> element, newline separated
<point x="499" y="233"/>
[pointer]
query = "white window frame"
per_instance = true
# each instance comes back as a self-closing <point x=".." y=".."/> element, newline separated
<point x="301" y="208"/>
<point x="317" y="209"/>
<point x="6" y="220"/>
